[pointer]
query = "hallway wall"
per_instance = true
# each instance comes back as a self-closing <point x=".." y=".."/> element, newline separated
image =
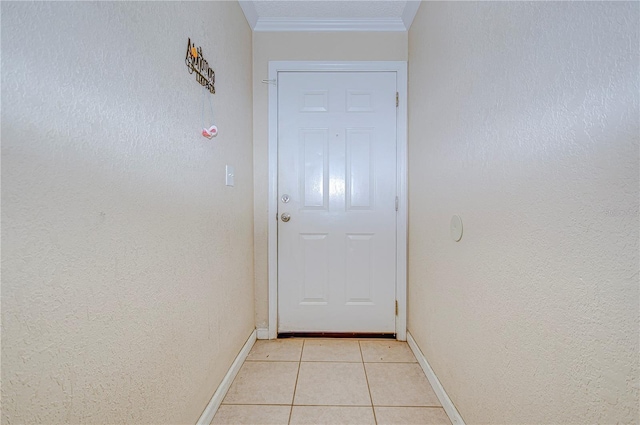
<point x="127" y="264"/>
<point x="524" y="121"/>
<point x="302" y="46"/>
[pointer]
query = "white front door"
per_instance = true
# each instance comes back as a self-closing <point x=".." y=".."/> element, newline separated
<point x="337" y="183"/>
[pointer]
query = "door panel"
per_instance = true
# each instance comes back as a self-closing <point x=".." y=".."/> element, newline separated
<point x="359" y="267"/>
<point x="314" y="163"/>
<point x="337" y="166"/>
<point x="359" y="173"/>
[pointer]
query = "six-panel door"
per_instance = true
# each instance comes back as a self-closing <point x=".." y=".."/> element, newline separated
<point x="337" y="183"/>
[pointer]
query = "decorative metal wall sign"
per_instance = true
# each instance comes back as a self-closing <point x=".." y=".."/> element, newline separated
<point x="198" y="64"/>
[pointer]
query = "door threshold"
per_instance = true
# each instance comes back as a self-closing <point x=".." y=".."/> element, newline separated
<point x="336" y="335"/>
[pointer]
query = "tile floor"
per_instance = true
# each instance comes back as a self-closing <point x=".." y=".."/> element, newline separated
<point x="333" y="382"/>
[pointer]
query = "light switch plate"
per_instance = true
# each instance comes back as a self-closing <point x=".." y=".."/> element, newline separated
<point x="230" y="171"/>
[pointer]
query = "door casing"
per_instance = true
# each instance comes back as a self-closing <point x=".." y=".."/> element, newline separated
<point x="401" y="224"/>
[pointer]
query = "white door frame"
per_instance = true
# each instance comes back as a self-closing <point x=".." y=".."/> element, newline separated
<point x="401" y="224"/>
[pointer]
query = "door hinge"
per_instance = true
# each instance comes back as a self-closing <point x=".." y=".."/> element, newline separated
<point x="397" y="203"/>
<point x="396" y="307"/>
<point x="397" y="99"/>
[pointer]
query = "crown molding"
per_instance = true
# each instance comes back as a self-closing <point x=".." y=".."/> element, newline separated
<point x="329" y="24"/>
<point x="409" y="13"/>
<point x="335" y="24"/>
<point x="250" y="13"/>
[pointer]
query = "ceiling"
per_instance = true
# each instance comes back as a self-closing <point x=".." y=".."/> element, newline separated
<point x="344" y="15"/>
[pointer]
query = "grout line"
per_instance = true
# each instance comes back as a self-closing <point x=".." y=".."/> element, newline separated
<point x="334" y="405"/>
<point x="411" y="407"/>
<point x="332" y="361"/>
<point x="254" y="404"/>
<point x="301" y="350"/>
<point x="295" y="387"/>
<point x="373" y="409"/>
<point x="407" y="407"/>
<point x="362" y="359"/>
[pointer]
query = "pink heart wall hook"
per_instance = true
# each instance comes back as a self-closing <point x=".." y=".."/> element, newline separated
<point x="210" y="132"/>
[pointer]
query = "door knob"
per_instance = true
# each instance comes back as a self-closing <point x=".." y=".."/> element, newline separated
<point x="285" y="217"/>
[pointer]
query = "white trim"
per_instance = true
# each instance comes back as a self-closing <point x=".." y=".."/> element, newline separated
<point x="250" y="12"/>
<point x="446" y="402"/>
<point x="329" y="24"/>
<point x="409" y="13"/>
<point x="401" y="227"/>
<point x="403" y="204"/>
<point x="211" y="409"/>
<point x="272" y="228"/>
<point x="266" y="23"/>
<point x="262" y="333"/>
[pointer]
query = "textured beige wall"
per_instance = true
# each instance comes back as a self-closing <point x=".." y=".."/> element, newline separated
<point x="524" y="120"/>
<point x="307" y="46"/>
<point x="127" y="265"/>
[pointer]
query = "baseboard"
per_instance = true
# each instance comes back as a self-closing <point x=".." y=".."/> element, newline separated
<point x="262" y="333"/>
<point x="218" y="396"/>
<point x="446" y="402"/>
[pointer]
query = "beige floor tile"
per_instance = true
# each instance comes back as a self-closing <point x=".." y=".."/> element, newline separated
<point x="276" y="350"/>
<point x="229" y="414"/>
<point x="331" y="350"/>
<point x="399" y="384"/>
<point x="332" y="384"/>
<point x="411" y="416"/>
<point x="387" y="351"/>
<point x="332" y="415"/>
<point x="263" y="383"/>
